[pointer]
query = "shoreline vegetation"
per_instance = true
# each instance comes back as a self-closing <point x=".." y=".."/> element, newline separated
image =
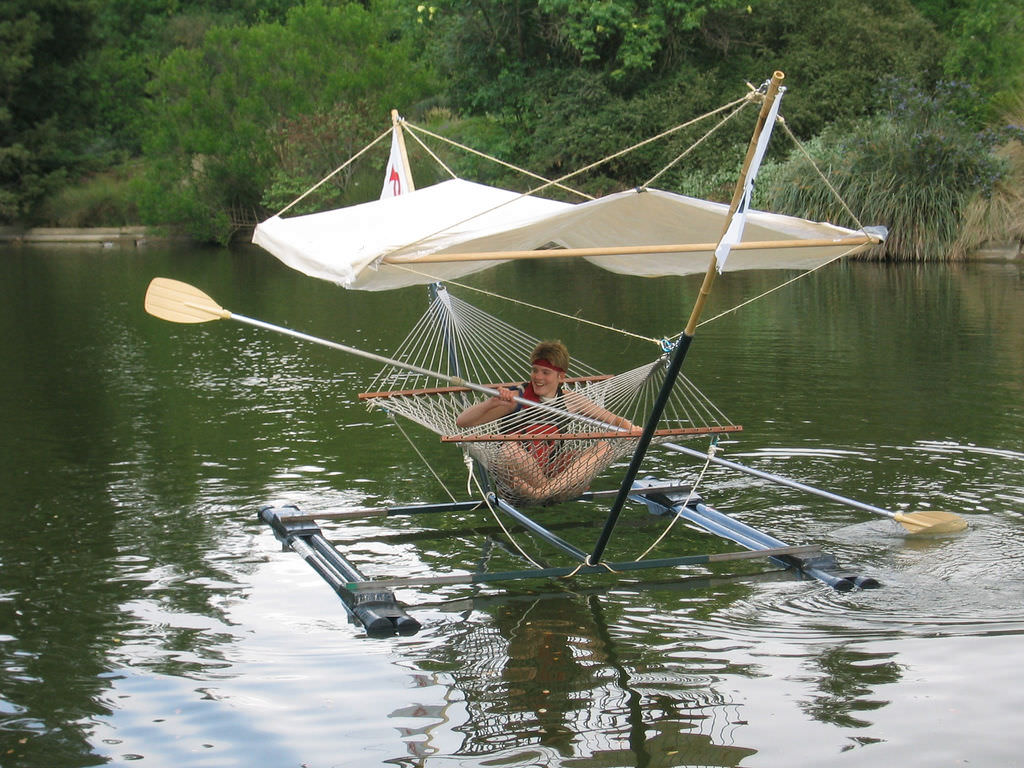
<point x="141" y="237"/>
<point x="199" y="121"/>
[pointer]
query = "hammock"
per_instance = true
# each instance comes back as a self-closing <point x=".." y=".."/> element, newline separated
<point x="539" y="454"/>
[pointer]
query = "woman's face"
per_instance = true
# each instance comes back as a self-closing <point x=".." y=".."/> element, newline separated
<point x="545" y="380"/>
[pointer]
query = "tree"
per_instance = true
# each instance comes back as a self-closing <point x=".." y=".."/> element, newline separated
<point x="836" y="54"/>
<point x="628" y="37"/>
<point x="225" y="113"/>
<point x="988" y="52"/>
<point x="43" y="42"/>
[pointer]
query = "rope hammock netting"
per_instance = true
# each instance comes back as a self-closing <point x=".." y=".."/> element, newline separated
<point x="541" y="453"/>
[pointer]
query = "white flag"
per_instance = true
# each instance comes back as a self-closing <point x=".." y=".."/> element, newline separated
<point x="734" y="233"/>
<point x="396" y="174"/>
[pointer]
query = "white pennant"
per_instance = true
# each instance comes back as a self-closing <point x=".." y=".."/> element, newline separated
<point x="734" y="233"/>
<point x="396" y="174"/>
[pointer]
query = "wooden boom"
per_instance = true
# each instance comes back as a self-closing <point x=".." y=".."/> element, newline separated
<point x="627" y="250"/>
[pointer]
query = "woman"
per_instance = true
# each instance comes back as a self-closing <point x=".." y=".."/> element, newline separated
<point x="539" y="469"/>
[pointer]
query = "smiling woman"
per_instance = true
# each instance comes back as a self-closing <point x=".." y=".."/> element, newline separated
<point x="539" y="470"/>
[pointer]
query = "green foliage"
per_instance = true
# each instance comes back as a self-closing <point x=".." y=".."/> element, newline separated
<point x="226" y="114"/>
<point x="913" y="168"/>
<point x="103" y="200"/>
<point x="626" y="37"/>
<point x="942" y="13"/>
<point x="836" y="53"/>
<point x="238" y="106"/>
<point x="988" y="51"/>
<point x="985" y="47"/>
<point x="572" y="82"/>
<point x="43" y="42"/>
<point x="487" y="50"/>
<point x="493" y="51"/>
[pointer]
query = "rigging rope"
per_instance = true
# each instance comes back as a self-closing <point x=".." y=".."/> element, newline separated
<point x="824" y="178"/>
<point x="429" y="151"/>
<point x="423" y="458"/>
<point x="712" y="450"/>
<point x="698" y="142"/>
<point x="736" y="106"/>
<point x="521" y="303"/>
<point x="333" y="173"/>
<point x="803" y="150"/>
<point x="497" y="518"/>
<point x="559" y="181"/>
<point x="548" y="182"/>
<point x="772" y="290"/>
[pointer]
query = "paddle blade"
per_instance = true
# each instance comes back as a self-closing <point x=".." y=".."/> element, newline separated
<point x="931" y="521"/>
<point x="180" y="302"/>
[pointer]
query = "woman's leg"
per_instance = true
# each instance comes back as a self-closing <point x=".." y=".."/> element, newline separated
<point x="576" y="474"/>
<point x="518" y="471"/>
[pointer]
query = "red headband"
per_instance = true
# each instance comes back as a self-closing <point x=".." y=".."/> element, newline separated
<point x="544" y="363"/>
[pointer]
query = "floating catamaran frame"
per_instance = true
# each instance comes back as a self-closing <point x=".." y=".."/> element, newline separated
<point x="371" y="602"/>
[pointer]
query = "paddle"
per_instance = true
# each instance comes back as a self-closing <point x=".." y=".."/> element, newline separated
<point x="929" y="521"/>
<point x="180" y="302"/>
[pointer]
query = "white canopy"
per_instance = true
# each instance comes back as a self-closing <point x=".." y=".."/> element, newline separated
<point x="366" y="246"/>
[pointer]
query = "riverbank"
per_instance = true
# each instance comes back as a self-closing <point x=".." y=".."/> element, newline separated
<point x="998" y="252"/>
<point x="135" y="237"/>
<point x="103" y="237"/>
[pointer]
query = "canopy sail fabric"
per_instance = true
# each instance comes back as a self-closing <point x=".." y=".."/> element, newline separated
<point x="356" y="246"/>
<point x="346" y="244"/>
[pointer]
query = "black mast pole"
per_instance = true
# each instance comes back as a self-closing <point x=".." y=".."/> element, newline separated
<point x="683" y="345"/>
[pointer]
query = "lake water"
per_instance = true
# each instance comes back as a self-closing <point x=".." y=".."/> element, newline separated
<point x="147" y="617"/>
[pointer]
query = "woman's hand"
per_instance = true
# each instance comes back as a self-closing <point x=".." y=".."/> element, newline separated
<point x="506" y="394"/>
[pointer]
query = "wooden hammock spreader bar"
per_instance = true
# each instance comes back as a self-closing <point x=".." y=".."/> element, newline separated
<point x="628" y="250"/>
<point x="557" y="436"/>
<point x="448" y="390"/>
<point x="542" y="573"/>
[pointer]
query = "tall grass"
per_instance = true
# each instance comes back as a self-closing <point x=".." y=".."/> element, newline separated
<point x="104" y="200"/>
<point x="940" y="185"/>
<point x="999" y="218"/>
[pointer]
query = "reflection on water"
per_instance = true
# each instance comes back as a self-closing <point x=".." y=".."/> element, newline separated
<point x="543" y="681"/>
<point x="146" y="615"/>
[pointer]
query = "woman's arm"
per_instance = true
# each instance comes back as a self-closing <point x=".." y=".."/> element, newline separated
<point x="488" y="410"/>
<point x="579" y="404"/>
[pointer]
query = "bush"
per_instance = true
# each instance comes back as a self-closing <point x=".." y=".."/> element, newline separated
<point x="998" y="218"/>
<point x="914" y="168"/>
<point x="104" y="200"/>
